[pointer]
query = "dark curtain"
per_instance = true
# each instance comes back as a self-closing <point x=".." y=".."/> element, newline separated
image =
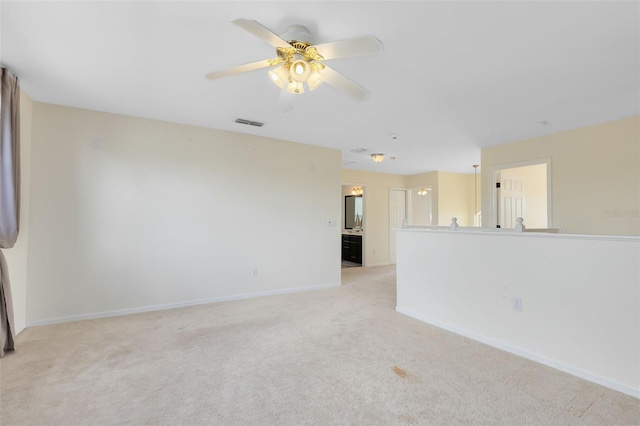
<point x="9" y="197"/>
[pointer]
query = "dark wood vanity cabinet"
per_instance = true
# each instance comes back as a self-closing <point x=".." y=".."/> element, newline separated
<point x="352" y="248"/>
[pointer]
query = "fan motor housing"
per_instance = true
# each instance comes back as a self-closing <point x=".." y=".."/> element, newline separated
<point x="298" y="34"/>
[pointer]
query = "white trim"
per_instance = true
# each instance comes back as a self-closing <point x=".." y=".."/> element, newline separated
<point x="390" y="229"/>
<point x="492" y="193"/>
<point x="130" y="311"/>
<point x="524" y="353"/>
<point x="20" y="328"/>
<point x="509" y="232"/>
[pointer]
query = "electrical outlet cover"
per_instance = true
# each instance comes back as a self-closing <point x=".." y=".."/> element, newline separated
<point x="517" y="303"/>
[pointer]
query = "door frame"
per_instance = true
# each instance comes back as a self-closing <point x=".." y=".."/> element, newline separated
<point x="493" y="194"/>
<point x="389" y="221"/>
<point x="364" y="216"/>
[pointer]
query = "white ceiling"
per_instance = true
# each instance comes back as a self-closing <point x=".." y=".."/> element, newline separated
<point x="454" y="77"/>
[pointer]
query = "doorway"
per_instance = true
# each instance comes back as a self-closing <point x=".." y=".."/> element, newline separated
<point x="522" y="190"/>
<point x="353" y="225"/>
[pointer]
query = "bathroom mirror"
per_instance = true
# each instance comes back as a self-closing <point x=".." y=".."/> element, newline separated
<point x="353" y="212"/>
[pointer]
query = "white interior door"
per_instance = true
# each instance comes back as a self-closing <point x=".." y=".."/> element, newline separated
<point x="397" y="215"/>
<point x="512" y="201"/>
<point x="523" y="193"/>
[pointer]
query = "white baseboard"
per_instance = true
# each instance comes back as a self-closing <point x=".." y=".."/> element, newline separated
<point x="130" y="311"/>
<point x="19" y="328"/>
<point x="574" y="371"/>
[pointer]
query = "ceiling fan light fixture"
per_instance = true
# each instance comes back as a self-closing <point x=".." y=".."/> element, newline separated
<point x="300" y="70"/>
<point x="279" y="76"/>
<point x="300" y="60"/>
<point x="315" y="80"/>
<point x="377" y="157"/>
<point x="295" y="87"/>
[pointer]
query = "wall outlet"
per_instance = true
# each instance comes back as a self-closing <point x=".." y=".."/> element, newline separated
<point x="332" y="223"/>
<point x="517" y="303"/>
<point x="255" y="272"/>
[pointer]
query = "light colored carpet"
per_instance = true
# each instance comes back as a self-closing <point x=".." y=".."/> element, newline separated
<point x="328" y="357"/>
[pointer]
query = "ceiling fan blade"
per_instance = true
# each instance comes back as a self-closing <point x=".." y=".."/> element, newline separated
<point x="287" y="100"/>
<point x="261" y="32"/>
<point x="339" y="81"/>
<point x="239" y="69"/>
<point x="359" y="46"/>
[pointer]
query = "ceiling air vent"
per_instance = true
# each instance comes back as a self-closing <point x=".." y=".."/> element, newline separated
<point x="249" y="122"/>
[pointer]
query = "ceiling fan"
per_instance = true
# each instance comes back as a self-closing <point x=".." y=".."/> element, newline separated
<point x="300" y="62"/>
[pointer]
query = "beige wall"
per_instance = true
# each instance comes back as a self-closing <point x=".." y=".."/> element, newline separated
<point x="17" y="256"/>
<point x="420" y="212"/>
<point x="451" y="195"/>
<point x="455" y="198"/>
<point x="595" y="176"/>
<point x="120" y="213"/>
<point x="128" y="213"/>
<point x="376" y="212"/>
<point x="429" y="180"/>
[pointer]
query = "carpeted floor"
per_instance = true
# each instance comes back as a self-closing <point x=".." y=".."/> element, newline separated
<point x="340" y="356"/>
